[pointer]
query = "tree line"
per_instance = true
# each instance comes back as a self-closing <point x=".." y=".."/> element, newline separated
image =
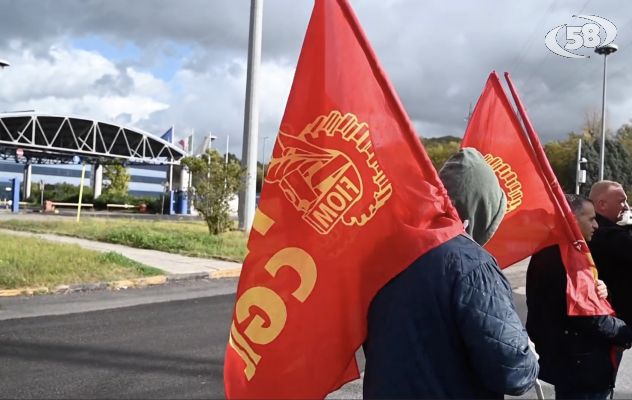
<point x="215" y="182"/>
<point x="562" y="154"/>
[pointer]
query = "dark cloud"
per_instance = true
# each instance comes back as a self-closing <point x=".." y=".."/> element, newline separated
<point x="438" y="54"/>
<point x="121" y="84"/>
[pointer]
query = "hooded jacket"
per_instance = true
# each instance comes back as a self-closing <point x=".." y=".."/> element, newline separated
<point x="446" y="327"/>
<point x="475" y="193"/>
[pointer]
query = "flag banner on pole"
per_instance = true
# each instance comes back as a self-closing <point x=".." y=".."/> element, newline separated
<point x="168" y="136"/>
<point x="183" y="144"/>
<point x="537" y="214"/>
<point x="350" y="200"/>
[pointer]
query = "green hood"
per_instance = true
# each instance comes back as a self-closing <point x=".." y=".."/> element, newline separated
<point x="475" y="192"/>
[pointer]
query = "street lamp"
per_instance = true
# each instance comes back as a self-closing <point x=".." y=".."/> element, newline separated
<point x="248" y="195"/>
<point x="4" y="64"/>
<point x="605" y="51"/>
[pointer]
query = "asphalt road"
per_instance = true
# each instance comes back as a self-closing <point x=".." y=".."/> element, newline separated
<point x="163" y="342"/>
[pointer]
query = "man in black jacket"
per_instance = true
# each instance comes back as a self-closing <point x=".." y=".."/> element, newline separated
<point x="611" y="245"/>
<point x="575" y="352"/>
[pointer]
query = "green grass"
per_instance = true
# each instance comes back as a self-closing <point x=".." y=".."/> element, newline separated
<point x="33" y="262"/>
<point x="189" y="238"/>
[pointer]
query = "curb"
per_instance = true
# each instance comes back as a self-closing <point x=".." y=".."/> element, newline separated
<point x="123" y="284"/>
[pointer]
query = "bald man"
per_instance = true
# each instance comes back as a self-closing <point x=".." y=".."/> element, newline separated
<point x="611" y="245"/>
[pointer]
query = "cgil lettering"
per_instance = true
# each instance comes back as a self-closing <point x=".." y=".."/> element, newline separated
<point x="271" y="305"/>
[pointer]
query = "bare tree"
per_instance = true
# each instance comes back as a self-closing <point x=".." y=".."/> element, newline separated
<point x="591" y="122"/>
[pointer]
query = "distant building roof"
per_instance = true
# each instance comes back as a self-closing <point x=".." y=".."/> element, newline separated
<point x="48" y="136"/>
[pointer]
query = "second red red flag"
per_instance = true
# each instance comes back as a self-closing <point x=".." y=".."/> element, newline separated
<point x="536" y="216"/>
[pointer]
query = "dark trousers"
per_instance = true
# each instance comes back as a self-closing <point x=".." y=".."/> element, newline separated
<point x="570" y="394"/>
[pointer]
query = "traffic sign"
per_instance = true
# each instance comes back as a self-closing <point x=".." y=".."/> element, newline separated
<point x="19" y="152"/>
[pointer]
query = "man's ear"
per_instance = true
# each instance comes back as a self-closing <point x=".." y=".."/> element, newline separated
<point x="601" y="204"/>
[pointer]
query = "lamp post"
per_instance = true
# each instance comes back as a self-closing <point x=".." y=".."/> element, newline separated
<point x="4" y="64"/>
<point x="247" y="197"/>
<point x="605" y="51"/>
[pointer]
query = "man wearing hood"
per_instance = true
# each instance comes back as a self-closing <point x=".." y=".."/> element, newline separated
<point x="446" y="327"/>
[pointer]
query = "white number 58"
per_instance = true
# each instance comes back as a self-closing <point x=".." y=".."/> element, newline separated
<point x="586" y="36"/>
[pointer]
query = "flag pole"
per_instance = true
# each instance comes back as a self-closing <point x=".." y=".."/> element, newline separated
<point x="571" y="229"/>
<point x="191" y="142"/>
<point x="533" y="139"/>
<point x="171" y="175"/>
<point x="400" y="112"/>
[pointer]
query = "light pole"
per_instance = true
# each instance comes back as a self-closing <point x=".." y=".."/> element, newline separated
<point x="605" y="51"/>
<point x="4" y="64"/>
<point x="248" y="196"/>
<point x="263" y="161"/>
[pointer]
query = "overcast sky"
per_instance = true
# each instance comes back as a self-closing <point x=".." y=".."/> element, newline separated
<point x="154" y="63"/>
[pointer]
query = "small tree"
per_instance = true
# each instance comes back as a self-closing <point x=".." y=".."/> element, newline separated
<point x="214" y="185"/>
<point x="119" y="179"/>
<point x="439" y="153"/>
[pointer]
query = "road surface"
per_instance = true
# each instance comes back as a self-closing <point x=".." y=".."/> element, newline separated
<point x="161" y="342"/>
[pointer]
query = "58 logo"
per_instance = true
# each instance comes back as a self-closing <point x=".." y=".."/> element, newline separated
<point x="581" y="36"/>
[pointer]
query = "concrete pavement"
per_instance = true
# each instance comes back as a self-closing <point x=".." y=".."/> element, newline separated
<point x="161" y="342"/>
<point x="168" y="262"/>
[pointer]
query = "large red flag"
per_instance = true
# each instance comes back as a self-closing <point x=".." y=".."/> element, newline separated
<point x="350" y="200"/>
<point x="537" y="214"/>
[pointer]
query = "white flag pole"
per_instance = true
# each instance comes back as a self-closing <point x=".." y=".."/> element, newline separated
<point x="191" y="142"/>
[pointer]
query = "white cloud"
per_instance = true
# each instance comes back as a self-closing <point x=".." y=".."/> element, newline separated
<point x="66" y="83"/>
<point x="214" y="101"/>
<point x="75" y="81"/>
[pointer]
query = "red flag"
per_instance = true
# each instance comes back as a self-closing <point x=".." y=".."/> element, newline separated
<point x="537" y="214"/>
<point x="350" y="200"/>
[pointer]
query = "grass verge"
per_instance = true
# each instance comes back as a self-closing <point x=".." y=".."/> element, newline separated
<point x="190" y="238"/>
<point x="33" y="262"/>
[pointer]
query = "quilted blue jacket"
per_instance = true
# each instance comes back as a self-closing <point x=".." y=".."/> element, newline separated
<point x="447" y="328"/>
